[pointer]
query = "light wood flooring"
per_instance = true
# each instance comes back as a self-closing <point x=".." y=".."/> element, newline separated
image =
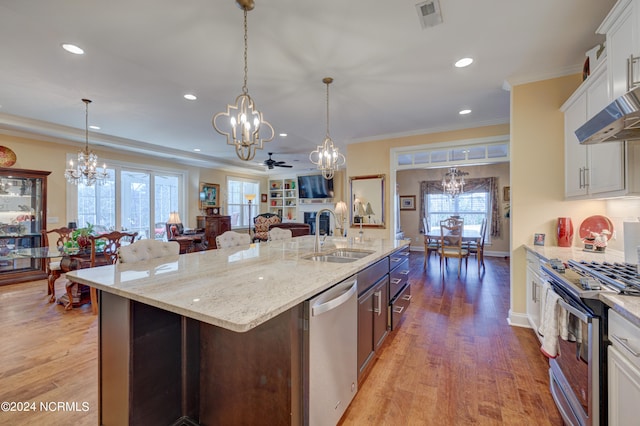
<point x="453" y="361"/>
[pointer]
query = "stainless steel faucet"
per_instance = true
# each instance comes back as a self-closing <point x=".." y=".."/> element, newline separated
<point x="316" y="246"/>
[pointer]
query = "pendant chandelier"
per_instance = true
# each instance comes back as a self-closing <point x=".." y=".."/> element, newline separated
<point x="453" y="182"/>
<point x="86" y="171"/>
<point x="326" y="156"/>
<point x="242" y="122"/>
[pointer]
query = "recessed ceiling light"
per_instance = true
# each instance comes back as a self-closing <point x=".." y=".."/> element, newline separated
<point x="284" y="135"/>
<point x="196" y="149"/>
<point x="94" y="127"/>
<point x="465" y="112"/>
<point x="72" y="48"/>
<point x="464" y="62"/>
<point x="190" y="97"/>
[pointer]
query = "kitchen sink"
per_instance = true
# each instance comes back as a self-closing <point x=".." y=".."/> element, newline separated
<point x="338" y="255"/>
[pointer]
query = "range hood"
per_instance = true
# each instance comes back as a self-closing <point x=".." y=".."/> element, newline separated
<point x="619" y="121"/>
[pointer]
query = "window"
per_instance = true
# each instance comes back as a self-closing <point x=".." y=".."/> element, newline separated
<point x="237" y="204"/>
<point x="131" y="199"/>
<point x="479" y="200"/>
<point x="472" y="207"/>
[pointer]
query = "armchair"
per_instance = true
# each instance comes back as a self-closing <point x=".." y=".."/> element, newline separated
<point x="261" y="225"/>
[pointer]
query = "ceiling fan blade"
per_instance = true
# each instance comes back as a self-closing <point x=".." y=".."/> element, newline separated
<point x="283" y="165"/>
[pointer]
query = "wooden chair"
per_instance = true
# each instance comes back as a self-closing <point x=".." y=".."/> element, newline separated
<point x="53" y="266"/>
<point x="476" y="248"/>
<point x="261" y="225"/>
<point x="280" y="234"/>
<point x="451" y="243"/>
<point x="431" y="245"/>
<point x="108" y="255"/>
<point x="232" y="239"/>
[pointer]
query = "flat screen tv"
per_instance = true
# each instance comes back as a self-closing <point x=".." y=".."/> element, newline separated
<point x="315" y="186"/>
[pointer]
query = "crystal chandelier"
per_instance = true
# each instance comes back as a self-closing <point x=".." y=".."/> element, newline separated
<point x="86" y="171"/>
<point x="453" y="182"/>
<point x="326" y="156"/>
<point x="242" y="122"/>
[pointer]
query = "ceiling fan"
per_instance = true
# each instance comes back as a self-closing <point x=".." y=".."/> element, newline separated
<point x="270" y="163"/>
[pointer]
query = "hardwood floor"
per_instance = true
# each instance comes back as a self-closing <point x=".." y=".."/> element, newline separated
<point x="453" y="361"/>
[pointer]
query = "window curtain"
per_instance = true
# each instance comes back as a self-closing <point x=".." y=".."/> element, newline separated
<point x="489" y="184"/>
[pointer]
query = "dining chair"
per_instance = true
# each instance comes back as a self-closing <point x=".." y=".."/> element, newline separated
<point x="476" y="248"/>
<point x="147" y="249"/>
<point x="104" y="251"/>
<point x="431" y="245"/>
<point x="451" y="243"/>
<point x="276" y="234"/>
<point x="53" y="266"/>
<point x="232" y="239"/>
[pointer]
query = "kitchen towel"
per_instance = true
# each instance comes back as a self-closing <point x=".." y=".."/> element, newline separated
<point x="551" y="322"/>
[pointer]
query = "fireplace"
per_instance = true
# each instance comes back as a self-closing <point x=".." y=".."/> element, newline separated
<point x="324" y="223"/>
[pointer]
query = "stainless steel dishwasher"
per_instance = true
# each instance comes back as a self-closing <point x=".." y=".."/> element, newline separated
<point x="330" y="359"/>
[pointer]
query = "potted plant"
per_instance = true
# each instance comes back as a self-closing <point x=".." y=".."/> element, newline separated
<point x="80" y="238"/>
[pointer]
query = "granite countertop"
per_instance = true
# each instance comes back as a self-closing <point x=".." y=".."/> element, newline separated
<point x="627" y="306"/>
<point x="238" y="288"/>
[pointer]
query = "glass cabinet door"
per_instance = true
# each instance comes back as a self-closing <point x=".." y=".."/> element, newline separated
<point x="22" y="223"/>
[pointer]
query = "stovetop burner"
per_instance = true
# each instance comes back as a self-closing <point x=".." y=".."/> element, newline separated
<point x="621" y="276"/>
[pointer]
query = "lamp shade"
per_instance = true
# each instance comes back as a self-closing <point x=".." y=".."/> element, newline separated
<point x="369" y="211"/>
<point x="249" y="197"/>
<point x="341" y="208"/>
<point x="174" y="217"/>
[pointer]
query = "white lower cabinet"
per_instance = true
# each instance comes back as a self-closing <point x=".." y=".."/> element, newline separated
<point x="534" y="291"/>
<point x="623" y="371"/>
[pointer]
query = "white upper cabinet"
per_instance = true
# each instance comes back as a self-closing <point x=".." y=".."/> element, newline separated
<point x="621" y="30"/>
<point x="606" y="169"/>
<point x="590" y="170"/>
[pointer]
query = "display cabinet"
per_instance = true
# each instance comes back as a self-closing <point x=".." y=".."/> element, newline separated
<point x="23" y="207"/>
<point x="283" y="198"/>
<point x="213" y="226"/>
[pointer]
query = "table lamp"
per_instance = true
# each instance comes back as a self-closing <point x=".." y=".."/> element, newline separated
<point x="174" y="220"/>
<point x="369" y="211"/>
<point x="249" y="198"/>
<point x="341" y="212"/>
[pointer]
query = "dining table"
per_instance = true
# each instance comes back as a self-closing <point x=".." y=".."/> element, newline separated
<point x="468" y="235"/>
<point x="70" y="260"/>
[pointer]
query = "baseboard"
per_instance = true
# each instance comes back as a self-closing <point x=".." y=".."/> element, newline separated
<point x="517" y="319"/>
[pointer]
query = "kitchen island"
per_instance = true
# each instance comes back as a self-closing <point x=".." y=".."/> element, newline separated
<point x="212" y="337"/>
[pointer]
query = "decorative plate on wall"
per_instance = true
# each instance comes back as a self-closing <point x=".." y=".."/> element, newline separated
<point x="7" y="157"/>
<point x="596" y="224"/>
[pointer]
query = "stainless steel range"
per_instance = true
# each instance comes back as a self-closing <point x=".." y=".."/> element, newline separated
<point x="579" y="374"/>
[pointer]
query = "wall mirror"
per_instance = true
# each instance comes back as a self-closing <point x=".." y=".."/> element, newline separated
<point x="367" y="201"/>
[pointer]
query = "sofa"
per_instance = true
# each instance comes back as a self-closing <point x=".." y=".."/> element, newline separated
<point x="297" y="229"/>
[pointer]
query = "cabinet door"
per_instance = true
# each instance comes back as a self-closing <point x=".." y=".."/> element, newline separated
<point x="605" y="172"/>
<point x="621" y="43"/>
<point x="624" y="389"/>
<point x="365" y="329"/>
<point x="575" y="155"/>
<point x="534" y="291"/>
<point x="380" y="312"/>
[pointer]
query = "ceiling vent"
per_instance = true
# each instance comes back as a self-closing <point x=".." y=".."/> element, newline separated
<point x="429" y="13"/>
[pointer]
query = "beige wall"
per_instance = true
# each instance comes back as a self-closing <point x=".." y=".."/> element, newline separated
<point x="408" y="182"/>
<point x="537" y="175"/>
<point x="373" y="157"/>
<point x="38" y="155"/>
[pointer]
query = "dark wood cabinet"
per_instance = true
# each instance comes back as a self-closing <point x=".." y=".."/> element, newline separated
<point x="213" y="226"/>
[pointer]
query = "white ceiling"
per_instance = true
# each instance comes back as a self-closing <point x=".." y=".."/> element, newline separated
<point x="391" y="77"/>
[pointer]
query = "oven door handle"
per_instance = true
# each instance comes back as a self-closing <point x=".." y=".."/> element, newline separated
<point x="579" y="314"/>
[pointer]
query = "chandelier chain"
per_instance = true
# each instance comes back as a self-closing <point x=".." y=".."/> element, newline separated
<point x="245" y="89"/>
<point x="328" y="109"/>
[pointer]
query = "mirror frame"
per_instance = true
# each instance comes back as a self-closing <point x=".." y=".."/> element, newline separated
<point x="352" y="216"/>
